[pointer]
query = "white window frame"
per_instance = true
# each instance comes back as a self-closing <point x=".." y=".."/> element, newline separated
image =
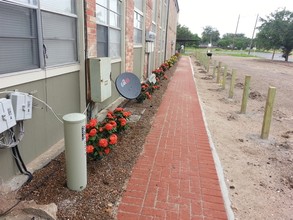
<point x="110" y="27"/>
<point x="140" y="13"/>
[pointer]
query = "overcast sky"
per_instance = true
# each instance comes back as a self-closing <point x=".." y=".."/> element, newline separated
<point x="223" y="14"/>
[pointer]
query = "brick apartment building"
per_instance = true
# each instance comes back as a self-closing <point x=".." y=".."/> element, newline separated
<point x="50" y="49"/>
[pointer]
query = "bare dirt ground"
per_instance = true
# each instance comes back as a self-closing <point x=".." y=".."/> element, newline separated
<point x="258" y="173"/>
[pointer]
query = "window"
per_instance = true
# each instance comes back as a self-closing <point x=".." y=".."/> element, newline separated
<point x="59" y="34"/>
<point x="59" y="31"/>
<point x="108" y="17"/>
<point x="26" y="37"/>
<point x="18" y="39"/>
<point x="154" y="10"/>
<point x="138" y="21"/>
<point x="138" y="4"/>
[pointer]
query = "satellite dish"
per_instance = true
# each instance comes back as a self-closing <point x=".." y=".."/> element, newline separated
<point x="128" y="85"/>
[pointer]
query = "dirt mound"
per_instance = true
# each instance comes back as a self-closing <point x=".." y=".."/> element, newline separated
<point x="207" y="77"/>
<point x="255" y="95"/>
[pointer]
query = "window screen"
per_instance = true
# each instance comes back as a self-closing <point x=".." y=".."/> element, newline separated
<point x="18" y="39"/>
<point x="59" y="34"/>
<point x="102" y="41"/>
<point x="114" y="43"/>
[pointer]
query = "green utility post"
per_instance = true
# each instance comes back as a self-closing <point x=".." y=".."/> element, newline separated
<point x="75" y="150"/>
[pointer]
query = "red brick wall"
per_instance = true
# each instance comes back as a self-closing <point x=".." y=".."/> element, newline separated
<point x="148" y="27"/>
<point x="91" y="31"/>
<point x="129" y="35"/>
<point x="172" y="28"/>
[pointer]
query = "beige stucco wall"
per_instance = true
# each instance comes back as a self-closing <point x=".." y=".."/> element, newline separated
<point x="43" y="130"/>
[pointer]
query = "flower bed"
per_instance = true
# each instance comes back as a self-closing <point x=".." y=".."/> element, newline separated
<point x="101" y="137"/>
<point x="106" y="177"/>
<point x="147" y="88"/>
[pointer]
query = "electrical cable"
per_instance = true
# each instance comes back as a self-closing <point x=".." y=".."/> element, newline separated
<point x="43" y="102"/>
<point x="84" y="112"/>
<point x="8" y="210"/>
<point x="9" y="139"/>
<point x="51" y="109"/>
<point x="40" y="183"/>
<point x="18" y="159"/>
<point x="20" y="164"/>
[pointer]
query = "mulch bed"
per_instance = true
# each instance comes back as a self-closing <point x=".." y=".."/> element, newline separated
<point x="107" y="178"/>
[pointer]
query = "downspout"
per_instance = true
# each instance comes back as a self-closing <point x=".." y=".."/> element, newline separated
<point x="87" y="80"/>
<point x="86" y="64"/>
<point x="166" y="34"/>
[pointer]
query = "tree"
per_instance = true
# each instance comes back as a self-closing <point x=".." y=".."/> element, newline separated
<point x="276" y="32"/>
<point x="210" y="35"/>
<point x="185" y="36"/>
<point x="238" y="40"/>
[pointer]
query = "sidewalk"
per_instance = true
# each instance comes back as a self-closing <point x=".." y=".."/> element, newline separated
<point x="175" y="177"/>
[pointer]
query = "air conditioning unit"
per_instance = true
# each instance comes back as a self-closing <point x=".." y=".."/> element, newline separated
<point x="100" y="81"/>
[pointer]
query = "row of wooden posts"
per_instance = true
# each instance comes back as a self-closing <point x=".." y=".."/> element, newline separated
<point x="205" y="61"/>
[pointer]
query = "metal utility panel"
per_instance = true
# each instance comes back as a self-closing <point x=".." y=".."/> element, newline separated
<point x="149" y="47"/>
<point x="7" y="118"/>
<point x="100" y="70"/>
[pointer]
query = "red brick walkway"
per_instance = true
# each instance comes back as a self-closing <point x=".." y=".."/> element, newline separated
<point x="175" y="177"/>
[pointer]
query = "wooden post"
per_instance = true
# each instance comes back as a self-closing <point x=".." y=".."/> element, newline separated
<point x="214" y="69"/>
<point x="208" y="67"/>
<point x="224" y="77"/>
<point x="219" y="72"/>
<point x="268" y="113"/>
<point x="245" y="94"/>
<point x="232" y="84"/>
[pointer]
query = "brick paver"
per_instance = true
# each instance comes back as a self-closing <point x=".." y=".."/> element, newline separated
<point x="175" y="177"/>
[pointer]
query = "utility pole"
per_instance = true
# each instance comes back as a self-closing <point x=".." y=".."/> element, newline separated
<point x="253" y="34"/>
<point x="235" y="32"/>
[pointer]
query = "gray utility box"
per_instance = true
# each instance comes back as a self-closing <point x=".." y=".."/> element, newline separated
<point x="100" y="81"/>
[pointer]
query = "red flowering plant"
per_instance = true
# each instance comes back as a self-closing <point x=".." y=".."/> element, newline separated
<point x="165" y="66"/>
<point x="159" y="72"/>
<point x="172" y="60"/>
<point x="101" y="137"/>
<point x="147" y="90"/>
<point x="121" y="117"/>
